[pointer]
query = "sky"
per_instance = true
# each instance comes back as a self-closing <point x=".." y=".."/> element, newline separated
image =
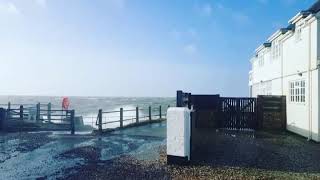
<point x="134" y="47"/>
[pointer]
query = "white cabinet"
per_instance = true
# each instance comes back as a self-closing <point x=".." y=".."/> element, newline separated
<point x="178" y="133"/>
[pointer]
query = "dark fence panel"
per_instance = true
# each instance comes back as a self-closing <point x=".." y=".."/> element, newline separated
<point x="272" y="112"/>
<point x="239" y="113"/>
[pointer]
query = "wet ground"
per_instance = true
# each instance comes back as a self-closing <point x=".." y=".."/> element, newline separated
<point x="140" y="153"/>
<point x="50" y="154"/>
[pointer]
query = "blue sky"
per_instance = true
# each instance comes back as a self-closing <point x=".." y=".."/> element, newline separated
<point x="134" y="47"/>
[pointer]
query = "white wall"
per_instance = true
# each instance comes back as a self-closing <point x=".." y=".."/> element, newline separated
<point x="295" y="58"/>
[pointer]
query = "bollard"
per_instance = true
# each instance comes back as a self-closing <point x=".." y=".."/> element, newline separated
<point x="160" y="113"/>
<point x="137" y="114"/>
<point x="49" y="112"/>
<point x="72" y="122"/>
<point x="150" y="115"/>
<point x="21" y="113"/>
<point x="121" y="117"/>
<point x="100" y="121"/>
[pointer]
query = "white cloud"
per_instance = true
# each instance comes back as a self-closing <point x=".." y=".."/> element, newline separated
<point x="241" y="18"/>
<point x="207" y="9"/>
<point x="204" y="9"/>
<point x="9" y="8"/>
<point x="42" y="3"/>
<point x="190" y="49"/>
<point x="190" y="34"/>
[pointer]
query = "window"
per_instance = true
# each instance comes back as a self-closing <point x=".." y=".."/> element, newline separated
<point x="298" y="33"/>
<point x="292" y="92"/>
<point x="269" y="88"/>
<point x="297" y="91"/>
<point x="276" y="49"/>
<point x="261" y="60"/>
<point x="303" y="91"/>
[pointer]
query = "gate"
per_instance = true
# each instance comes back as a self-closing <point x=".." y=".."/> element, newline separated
<point x="213" y="111"/>
<point x="239" y="113"/>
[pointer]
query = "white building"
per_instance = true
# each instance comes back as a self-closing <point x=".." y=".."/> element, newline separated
<point x="288" y="64"/>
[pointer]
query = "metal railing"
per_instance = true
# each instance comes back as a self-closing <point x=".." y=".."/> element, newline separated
<point x="35" y="113"/>
<point x="111" y="117"/>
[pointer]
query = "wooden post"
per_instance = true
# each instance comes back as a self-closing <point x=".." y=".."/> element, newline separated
<point x="121" y="117"/>
<point x="260" y="112"/>
<point x="179" y="99"/>
<point x="38" y="112"/>
<point x="49" y="112"/>
<point x="160" y="113"/>
<point x="21" y="113"/>
<point x="150" y="115"/>
<point x="72" y="122"/>
<point x="137" y="114"/>
<point x="100" y="121"/>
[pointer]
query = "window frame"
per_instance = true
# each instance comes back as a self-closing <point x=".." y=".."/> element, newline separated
<point x="261" y="60"/>
<point x="298" y="33"/>
<point x="297" y="91"/>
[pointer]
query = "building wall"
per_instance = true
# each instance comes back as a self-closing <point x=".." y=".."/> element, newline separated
<point x="299" y="53"/>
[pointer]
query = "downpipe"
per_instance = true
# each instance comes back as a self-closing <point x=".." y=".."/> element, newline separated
<point x="309" y="87"/>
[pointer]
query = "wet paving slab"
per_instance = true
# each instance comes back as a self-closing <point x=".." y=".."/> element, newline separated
<point x="49" y="154"/>
<point x="140" y="153"/>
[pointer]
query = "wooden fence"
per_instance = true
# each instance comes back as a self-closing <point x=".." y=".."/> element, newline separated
<point x="153" y="115"/>
<point x="272" y="112"/>
<point x="235" y="113"/>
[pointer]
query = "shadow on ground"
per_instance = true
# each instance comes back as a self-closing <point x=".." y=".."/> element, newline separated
<point x="274" y="151"/>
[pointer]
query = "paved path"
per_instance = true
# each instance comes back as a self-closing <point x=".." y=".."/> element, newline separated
<point x="49" y="154"/>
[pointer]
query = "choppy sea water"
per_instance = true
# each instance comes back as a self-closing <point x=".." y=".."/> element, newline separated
<point x="88" y="107"/>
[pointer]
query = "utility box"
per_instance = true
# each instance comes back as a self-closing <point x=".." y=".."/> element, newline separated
<point x="178" y="135"/>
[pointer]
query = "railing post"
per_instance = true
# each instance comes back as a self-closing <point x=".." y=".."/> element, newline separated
<point x="100" y="121"/>
<point x="137" y="114"/>
<point x="9" y="110"/>
<point x="21" y="112"/>
<point x="150" y="115"/>
<point x="160" y="113"/>
<point x="72" y="122"/>
<point x="38" y="112"/>
<point x="179" y="98"/>
<point x="121" y="117"/>
<point x="49" y="112"/>
<point x="3" y="119"/>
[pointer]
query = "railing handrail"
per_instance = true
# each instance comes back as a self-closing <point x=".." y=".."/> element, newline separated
<point x="100" y="121"/>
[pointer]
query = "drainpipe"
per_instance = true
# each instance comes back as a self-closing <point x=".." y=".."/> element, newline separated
<point x="309" y="86"/>
<point x="282" y="92"/>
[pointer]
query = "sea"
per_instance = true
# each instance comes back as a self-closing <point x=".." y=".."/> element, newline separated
<point x="88" y="107"/>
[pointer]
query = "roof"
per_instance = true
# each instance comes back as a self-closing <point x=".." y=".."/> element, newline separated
<point x="315" y="8"/>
